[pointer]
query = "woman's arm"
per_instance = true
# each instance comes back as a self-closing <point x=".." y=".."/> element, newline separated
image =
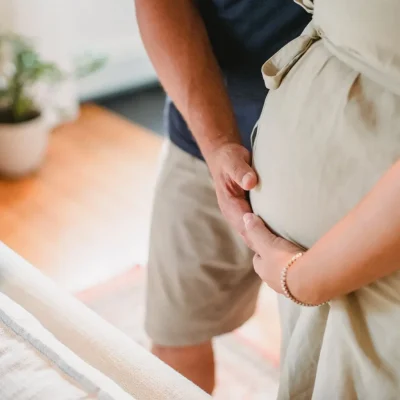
<point x="363" y="247"/>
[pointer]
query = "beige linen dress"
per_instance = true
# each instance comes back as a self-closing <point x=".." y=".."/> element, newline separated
<point x="327" y="133"/>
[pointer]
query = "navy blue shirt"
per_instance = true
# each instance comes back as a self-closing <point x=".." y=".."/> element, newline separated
<point x="243" y="34"/>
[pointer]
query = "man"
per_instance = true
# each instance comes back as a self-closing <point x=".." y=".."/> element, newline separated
<point x="208" y="55"/>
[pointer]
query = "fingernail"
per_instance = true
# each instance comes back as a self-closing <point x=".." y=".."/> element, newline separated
<point x="247" y="218"/>
<point x="247" y="179"/>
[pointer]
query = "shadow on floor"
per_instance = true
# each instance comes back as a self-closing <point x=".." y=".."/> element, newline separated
<point x="142" y="106"/>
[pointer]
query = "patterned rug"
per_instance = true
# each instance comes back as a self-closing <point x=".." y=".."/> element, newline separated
<point x="247" y="360"/>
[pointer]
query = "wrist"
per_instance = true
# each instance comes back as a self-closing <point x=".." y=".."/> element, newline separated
<point x="304" y="287"/>
<point x="222" y="152"/>
<point x="213" y="146"/>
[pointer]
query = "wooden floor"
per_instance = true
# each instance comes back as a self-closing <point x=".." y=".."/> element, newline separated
<point x="85" y="216"/>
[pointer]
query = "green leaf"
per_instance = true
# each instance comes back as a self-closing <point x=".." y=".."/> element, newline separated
<point x="88" y="64"/>
<point x="29" y="59"/>
<point x="30" y="68"/>
<point x="47" y="72"/>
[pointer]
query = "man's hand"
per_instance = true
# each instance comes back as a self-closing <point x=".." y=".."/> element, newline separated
<point x="230" y="168"/>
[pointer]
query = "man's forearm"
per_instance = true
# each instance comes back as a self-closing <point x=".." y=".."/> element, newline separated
<point x="178" y="45"/>
<point x="360" y="249"/>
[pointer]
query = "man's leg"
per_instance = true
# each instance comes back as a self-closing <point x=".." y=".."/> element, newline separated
<point x="194" y="362"/>
<point x="201" y="283"/>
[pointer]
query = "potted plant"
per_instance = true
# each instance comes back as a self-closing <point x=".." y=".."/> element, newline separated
<point x="24" y="132"/>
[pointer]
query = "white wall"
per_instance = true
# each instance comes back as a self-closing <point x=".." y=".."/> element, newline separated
<point x="109" y="27"/>
<point x="65" y="29"/>
<point x="47" y="23"/>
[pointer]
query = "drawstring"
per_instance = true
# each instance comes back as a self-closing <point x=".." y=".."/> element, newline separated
<point x="277" y="67"/>
<point x="308" y="5"/>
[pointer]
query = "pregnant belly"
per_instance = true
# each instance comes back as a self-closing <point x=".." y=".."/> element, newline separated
<point x="325" y="137"/>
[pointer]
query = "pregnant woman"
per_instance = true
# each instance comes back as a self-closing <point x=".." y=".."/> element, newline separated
<point x="327" y="152"/>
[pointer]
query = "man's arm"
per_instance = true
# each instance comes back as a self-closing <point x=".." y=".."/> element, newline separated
<point x="177" y="43"/>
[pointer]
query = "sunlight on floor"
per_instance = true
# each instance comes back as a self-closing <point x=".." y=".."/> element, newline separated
<point x="85" y="216"/>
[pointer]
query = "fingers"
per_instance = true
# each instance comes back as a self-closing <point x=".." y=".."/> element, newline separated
<point x="235" y="211"/>
<point x="242" y="173"/>
<point x="257" y="264"/>
<point x="249" y="180"/>
<point x="257" y="233"/>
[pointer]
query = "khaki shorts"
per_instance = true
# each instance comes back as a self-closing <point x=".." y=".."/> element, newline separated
<point x="201" y="281"/>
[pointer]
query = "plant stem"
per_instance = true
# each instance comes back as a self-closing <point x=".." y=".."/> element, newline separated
<point x="17" y="90"/>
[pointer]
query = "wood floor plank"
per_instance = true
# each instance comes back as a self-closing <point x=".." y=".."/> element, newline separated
<point x="85" y="215"/>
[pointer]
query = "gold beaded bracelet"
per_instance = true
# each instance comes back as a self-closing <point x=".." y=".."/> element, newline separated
<point x="285" y="287"/>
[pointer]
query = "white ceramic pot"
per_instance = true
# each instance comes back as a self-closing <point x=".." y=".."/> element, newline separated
<point x="23" y="147"/>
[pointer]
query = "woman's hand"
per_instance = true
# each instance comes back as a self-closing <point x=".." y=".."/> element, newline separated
<point x="272" y="252"/>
